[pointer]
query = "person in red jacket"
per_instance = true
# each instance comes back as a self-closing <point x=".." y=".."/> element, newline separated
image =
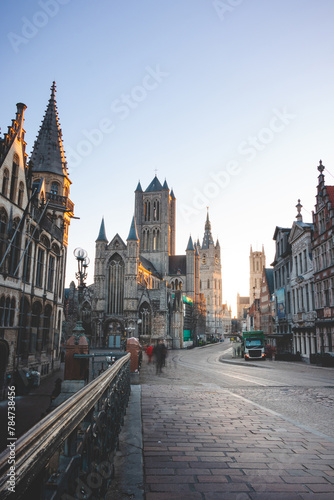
<point x="149" y="352"/>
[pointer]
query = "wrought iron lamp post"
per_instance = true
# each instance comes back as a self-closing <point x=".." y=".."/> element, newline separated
<point x="83" y="262"/>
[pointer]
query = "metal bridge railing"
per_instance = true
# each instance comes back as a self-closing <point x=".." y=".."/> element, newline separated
<point x="69" y="454"/>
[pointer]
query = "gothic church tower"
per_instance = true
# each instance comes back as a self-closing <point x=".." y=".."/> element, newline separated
<point x="210" y="280"/>
<point x="155" y="219"/>
<point x="257" y="261"/>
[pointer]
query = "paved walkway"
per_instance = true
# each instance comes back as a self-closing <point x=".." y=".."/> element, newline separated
<point x="179" y="442"/>
<point x="216" y="445"/>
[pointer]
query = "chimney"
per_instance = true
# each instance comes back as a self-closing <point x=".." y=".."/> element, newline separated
<point x="20" y="109"/>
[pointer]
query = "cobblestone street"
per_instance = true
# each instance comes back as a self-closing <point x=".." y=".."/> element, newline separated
<point x="204" y="438"/>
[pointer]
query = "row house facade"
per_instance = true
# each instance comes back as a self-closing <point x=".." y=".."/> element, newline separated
<point x="302" y="287"/>
<point x="35" y="214"/>
<point x="304" y="279"/>
<point x="323" y="258"/>
<point x="267" y="302"/>
<point x="282" y="290"/>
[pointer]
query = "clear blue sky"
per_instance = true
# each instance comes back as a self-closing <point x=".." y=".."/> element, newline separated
<point x="231" y="101"/>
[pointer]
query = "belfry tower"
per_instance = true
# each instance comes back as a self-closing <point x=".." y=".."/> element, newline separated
<point x="211" y="280"/>
<point x="257" y="261"/>
<point x="155" y="219"/>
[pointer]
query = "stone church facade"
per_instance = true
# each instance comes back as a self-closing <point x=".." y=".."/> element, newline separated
<point x="142" y="289"/>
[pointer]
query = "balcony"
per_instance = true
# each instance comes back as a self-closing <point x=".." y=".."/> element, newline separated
<point x="60" y="202"/>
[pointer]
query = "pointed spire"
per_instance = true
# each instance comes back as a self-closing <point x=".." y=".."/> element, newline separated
<point x="172" y="195"/>
<point x="190" y="245"/>
<point x="299" y="216"/>
<point x="165" y="185"/>
<point x="207" y="240"/>
<point x="48" y="151"/>
<point x="102" y="234"/>
<point x="133" y="234"/>
<point x="139" y="188"/>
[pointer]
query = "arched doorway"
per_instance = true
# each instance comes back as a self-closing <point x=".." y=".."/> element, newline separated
<point x="113" y="334"/>
<point x="145" y="321"/>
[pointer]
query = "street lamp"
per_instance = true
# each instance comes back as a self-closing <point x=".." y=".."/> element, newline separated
<point x="83" y="262"/>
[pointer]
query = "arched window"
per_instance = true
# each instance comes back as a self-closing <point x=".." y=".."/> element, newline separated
<point x="115" y="285"/>
<point x="51" y="273"/>
<point x="46" y="340"/>
<point x="156" y="239"/>
<point x="40" y="267"/>
<point x="146" y="239"/>
<point x="144" y="324"/>
<point x="7" y="312"/>
<point x="27" y="262"/>
<point x="3" y="236"/>
<point x="36" y="333"/>
<point x="5" y="182"/>
<point x="13" y="182"/>
<point x="147" y="210"/>
<point x="2" y="310"/>
<point x="54" y="188"/>
<point x="24" y="327"/>
<point x="21" y="193"/>
<point x="12" y="312"/>
<point x="15" y="251"/>
<point x="156" y="210"/>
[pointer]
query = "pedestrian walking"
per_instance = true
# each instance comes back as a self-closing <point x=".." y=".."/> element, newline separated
<point x="160" y="352"/>
<point x="149" y="352"/>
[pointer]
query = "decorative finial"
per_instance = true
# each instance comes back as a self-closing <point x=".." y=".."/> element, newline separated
<point x="299" y="216"/>
<point x="53" y="90"/>
<point x="321" y="167"/>
<point x="156" y="170"/>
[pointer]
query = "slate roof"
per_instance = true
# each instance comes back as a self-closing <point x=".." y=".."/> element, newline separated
<point x="133" y="235"/>
<point x="102" y="234"/>
<point x="178" y="265"/>
<point x="154" y="186"/>
<point x="149" y="266"/>
<point x="190" y="245"/>
<point x="48" y="152"/>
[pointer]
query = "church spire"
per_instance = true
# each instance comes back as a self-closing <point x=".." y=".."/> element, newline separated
<point x="48" y="152"/>
<point x="207" y="240"/>
<point x="102" y="234"/>
<point x="133" y="234"/>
